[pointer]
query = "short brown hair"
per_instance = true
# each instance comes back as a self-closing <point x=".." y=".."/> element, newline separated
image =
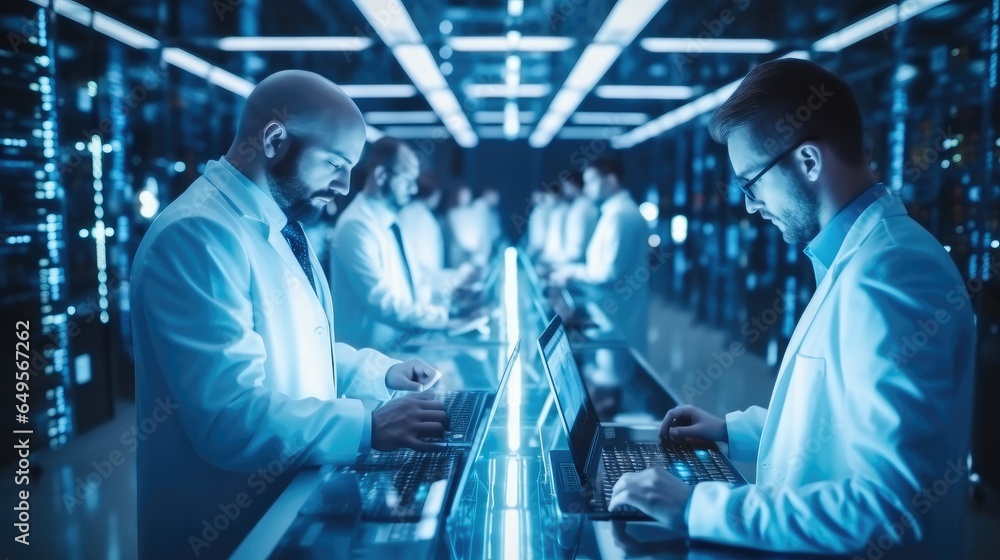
<point x="385" y="152"/>
<point x="791" y="100"/>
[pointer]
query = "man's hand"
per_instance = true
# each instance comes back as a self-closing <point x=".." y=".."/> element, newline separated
<point x="689" y="421"/>
<point x="404" y="421"/>
<point x="411" y="375"/>
<point x="655" y="492"/>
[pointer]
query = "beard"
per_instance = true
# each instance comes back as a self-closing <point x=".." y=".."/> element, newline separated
<point x="289" y="189"/>
<point x="802" y="219"/>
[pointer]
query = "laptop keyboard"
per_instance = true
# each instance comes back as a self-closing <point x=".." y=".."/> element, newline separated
<point x="688" y="463"/>
<point x="461" y="406"/>
<point x="389" y="491"/>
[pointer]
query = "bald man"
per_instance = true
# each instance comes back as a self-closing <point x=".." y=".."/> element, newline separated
<point x="239" y="379"/>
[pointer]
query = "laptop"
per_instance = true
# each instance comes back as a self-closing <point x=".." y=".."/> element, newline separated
<point x="599" y="453"/>
<point x="387" y="503"/>
<point x="466" y="408"/>
<point x="479" y="441"/>
<point x="472" y="298"/>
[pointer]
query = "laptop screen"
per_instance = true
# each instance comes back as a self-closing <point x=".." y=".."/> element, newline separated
<point x="574" y="404"/>
<point x="479" y="442"/>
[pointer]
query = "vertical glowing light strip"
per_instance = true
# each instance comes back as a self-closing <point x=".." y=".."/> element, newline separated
<point x="513" y="482"/>
<point x="100" y="230"/>
<point x="511" y="534"/>
<point x="59" y="423"/>
<point x="513" y="327"/>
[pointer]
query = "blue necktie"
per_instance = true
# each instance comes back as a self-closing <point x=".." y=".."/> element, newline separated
<point x="297" y="241"/>
<point x="402" y="253"/>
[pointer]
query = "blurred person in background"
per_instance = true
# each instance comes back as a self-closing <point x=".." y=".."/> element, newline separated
<point x="374" y="274"/>
<point x="578" y="223"/>
<point x="554" y="245"/>
<point x="615" y="271"/>
<point x="425" y="239"/>
<point x="542" y="201"/>
<point x="474" y="223"/>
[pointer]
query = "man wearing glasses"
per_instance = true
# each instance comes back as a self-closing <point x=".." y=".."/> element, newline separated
<point x="374" y="284"/>
<point x="863" y="448"/>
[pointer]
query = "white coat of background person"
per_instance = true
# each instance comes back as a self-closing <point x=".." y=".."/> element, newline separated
<point x="425" y="242"/>
<point x="374" y="279"/>
<point x="616" y="265"/>
<point x="542" y="201"/>
<point x="474" y="225"/>
<point x="578" y="223"/>
<point x="235" y="353"/>
<point x="871" y="410"/>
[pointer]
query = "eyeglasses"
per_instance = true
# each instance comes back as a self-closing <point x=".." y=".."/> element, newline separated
<point x="746" y="186"/>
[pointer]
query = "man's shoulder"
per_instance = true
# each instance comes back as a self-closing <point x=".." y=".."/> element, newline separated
<point x="899" y="249"/>
<point x="200" y="216"/>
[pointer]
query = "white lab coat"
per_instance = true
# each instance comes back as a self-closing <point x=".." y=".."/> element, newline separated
<point x="617" y="265"/>
<point x="422" y="235"/>
<point x="538" y="225"/>
<point x="870" y="407"/>
<point x="375" y="305"/>
<point x="577" y="228"/>
<point x="555" y="234"/>
<point x="235" y="368"/>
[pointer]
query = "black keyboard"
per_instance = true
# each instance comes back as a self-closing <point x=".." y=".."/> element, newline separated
<point x="388" y="459"/>
<point x="388" y="492"/>
<point x="688" y="463"/>
<point x="462" y="408"/>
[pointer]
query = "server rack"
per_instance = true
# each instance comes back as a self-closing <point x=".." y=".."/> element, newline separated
<point x="32" y="224"/>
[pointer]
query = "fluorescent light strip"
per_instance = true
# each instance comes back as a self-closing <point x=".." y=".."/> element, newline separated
<point x="644" y="92"/>
<point x="496" y="117"/>
<point x="72" y="10"/>
<point x="875" y="23"/>
<point x="684" y="113"/>
<point x="351" y="43"/>
<point x="707" y="45"/>
<point x="171" y="55"/>
<point x="102" y="23"/>
<point x="391" y="21"/>
<point x="401" y="117"/>
<point x="419" y="64"/>
<point x="591" y="67"/>
<point x="372" y="134"/>
<point x="437" y="132"/>
<point x="496" y="132"/>
<point x="503" y="44"/>
<point x="623" y="24"/>
<point x="610" y="119"/>
<point x="499" y="90"/>
<point x="589" y="132"/>
<point x="512" y="74"/>
<point x="186" y="61"/>
<point x="511" y="120"/>
<point x="565" y="102"/>
<point x="376" y="91"/>
<point x="515" y="7"/>
<point x="230" y="81"/>
<point x="123" y="33"/>
<point x="626" y="20"/>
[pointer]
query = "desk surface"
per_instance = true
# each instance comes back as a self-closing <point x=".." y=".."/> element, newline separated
<point x="507" y="508"/>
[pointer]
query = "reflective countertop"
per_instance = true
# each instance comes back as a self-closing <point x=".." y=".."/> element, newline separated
<point x="507" y="507"/>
